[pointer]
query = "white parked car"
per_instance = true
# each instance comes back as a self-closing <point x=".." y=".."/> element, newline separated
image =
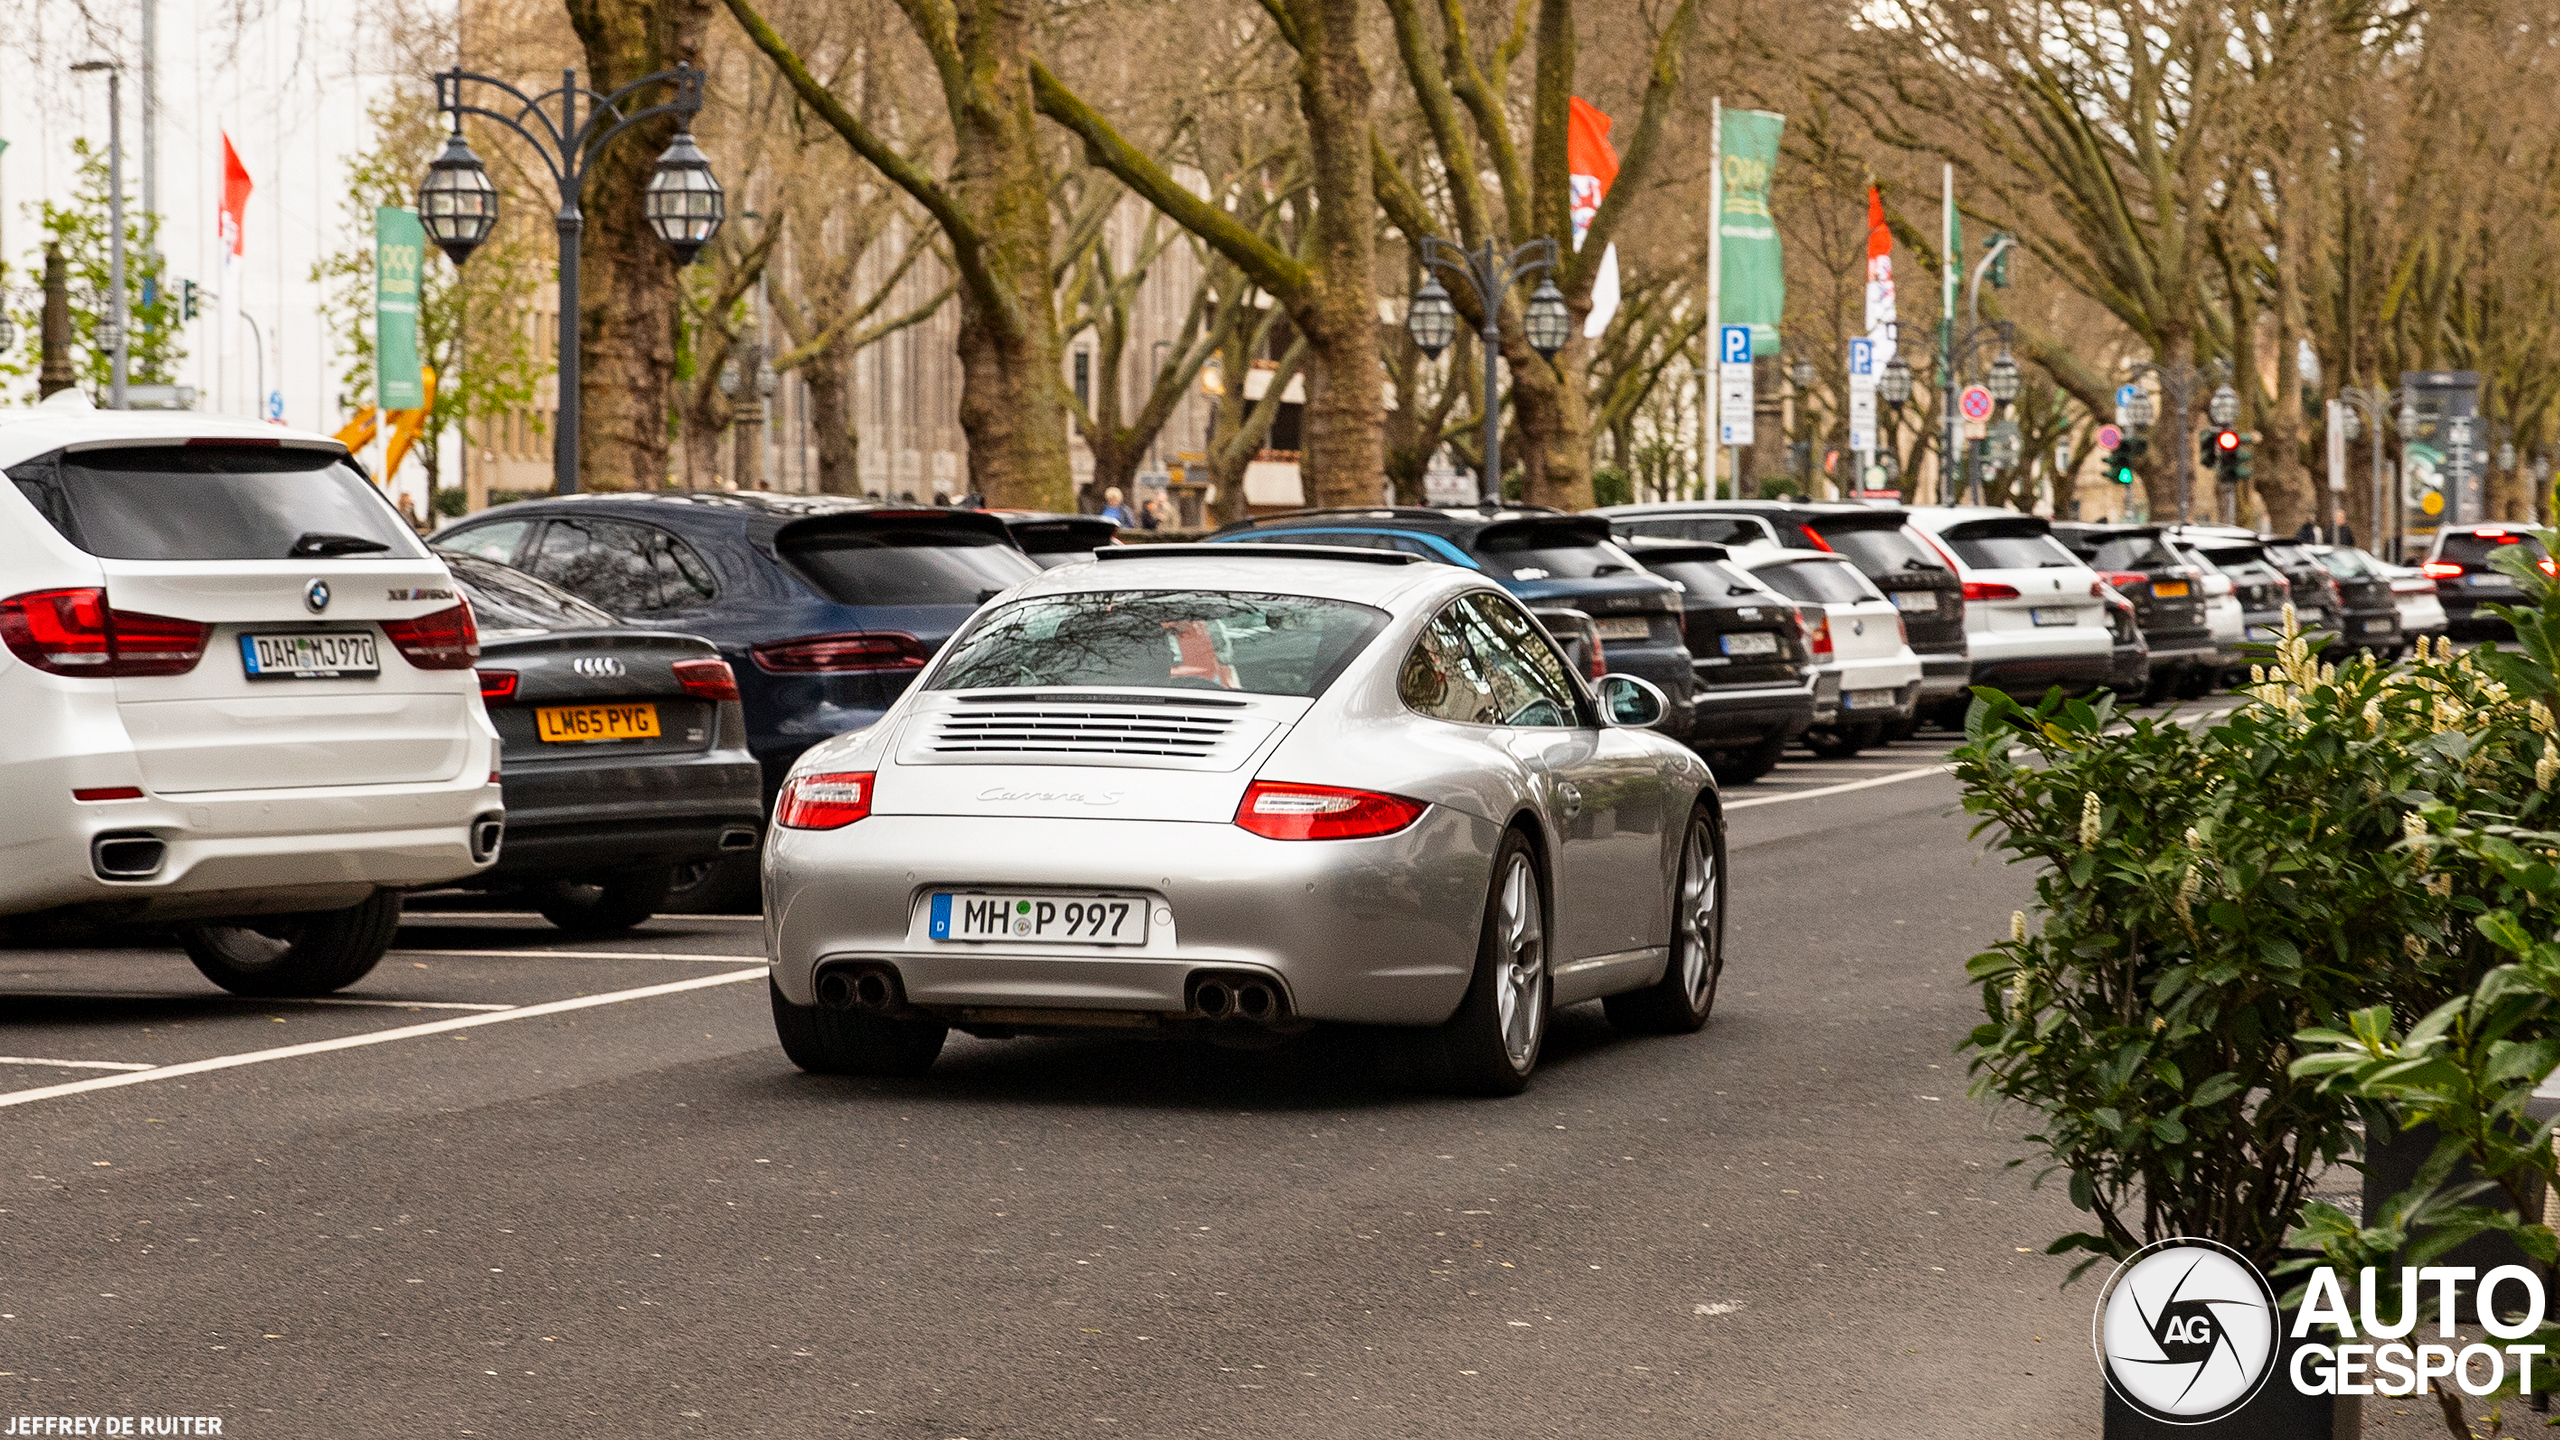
<point x="2035" y="615"/>
<point x="2224" y="615"/>
<point x="2413" y="590"/>
<point x="1866" y="676"/>
<point x="239" y="694"/>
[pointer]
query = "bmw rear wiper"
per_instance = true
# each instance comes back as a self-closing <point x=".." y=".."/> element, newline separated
<point x="322" y="542"/>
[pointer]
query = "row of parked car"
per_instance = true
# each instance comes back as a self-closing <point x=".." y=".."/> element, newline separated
<point x="250" y="703"/>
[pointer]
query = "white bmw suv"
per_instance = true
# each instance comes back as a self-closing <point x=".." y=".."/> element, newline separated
<point x="238" y="694"/>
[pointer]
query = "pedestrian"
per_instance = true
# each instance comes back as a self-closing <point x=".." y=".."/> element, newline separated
<point x="2347" y="535"/>
<point x="1113" y="510"/>
<point x="2309" y="534"/>
<point x="1152" y="516"/>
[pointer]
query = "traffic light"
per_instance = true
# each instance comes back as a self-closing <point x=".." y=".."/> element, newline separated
<point x="2123" y="461"/>
<point x="2240" y="457"/>
<point x="186" y="299"/>
<point x="2222" y="451"/>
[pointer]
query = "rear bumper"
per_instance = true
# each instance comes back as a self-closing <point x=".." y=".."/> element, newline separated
<point x="1944" y="674"/>
<point x="2028" y="677"/>
<point x="615" y="813"/>
<point x="1750" y="716"/>
<point x="1380" y="931"/>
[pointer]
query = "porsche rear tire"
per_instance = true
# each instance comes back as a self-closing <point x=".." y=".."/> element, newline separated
<point x="1491" y="1046"/>
<point x="1680" y="1002"/>
<point x="849" y="1042"/>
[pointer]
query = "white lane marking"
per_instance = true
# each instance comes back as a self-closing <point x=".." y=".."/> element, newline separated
<point x="584" y="955"/>
<point x="250" y="1002"/>
<point x="1838" y="789"/>
<point x="74" y="1064"/>
<point x="429" y="917"/>
<point x="379" y="1037"/>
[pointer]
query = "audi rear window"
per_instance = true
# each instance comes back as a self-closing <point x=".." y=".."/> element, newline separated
<point x="505" y="598"/>
<point x="215" y="502"/>
<point x="1163" y="640"/>
<point x="2132" y="552"/>
<point x="906" y="564"/>
<point x="1882" y="552"/>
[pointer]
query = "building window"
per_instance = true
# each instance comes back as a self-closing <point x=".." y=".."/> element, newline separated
<point x="1084" y="378"/>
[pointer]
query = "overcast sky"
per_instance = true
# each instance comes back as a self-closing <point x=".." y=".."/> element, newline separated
<point x="287" y="78"/>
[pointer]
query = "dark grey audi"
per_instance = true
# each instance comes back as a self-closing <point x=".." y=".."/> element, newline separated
<point x="623" y="751"/>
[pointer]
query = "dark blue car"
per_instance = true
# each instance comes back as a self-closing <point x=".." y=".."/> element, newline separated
<point x="825" y="606"/>
<point x="1549" y="559"/>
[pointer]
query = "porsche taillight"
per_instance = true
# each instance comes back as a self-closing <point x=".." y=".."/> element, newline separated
<point x="828" y="801"/>
<point x="1282" y="810"/>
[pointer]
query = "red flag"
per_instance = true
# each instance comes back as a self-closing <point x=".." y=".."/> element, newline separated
<point x="1883" y="324"/>
<point x="1590" y="161"/>
<point x="1879" y="234"/>
<point x="235" y="195"/>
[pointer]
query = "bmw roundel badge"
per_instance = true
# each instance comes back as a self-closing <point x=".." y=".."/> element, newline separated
<point x="315" y="596"/>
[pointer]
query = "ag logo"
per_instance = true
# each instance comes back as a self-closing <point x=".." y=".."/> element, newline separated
<point x="2186" y="1331"/>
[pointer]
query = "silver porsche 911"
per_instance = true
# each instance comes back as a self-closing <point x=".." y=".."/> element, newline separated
<point x="1184" y="787"/>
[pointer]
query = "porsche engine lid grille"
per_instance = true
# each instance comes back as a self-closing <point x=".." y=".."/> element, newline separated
<point x="1067" y="730"/>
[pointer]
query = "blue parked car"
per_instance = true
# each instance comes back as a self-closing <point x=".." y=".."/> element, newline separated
<point x="1551" y="560"/>
<point x="825" y="606"/>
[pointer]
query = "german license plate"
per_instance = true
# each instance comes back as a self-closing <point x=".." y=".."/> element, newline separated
<point x="322" y="655"/>
<point x="2168" y="589"/>
<point x="2054" y="615"/>
<point x="1916" y="602"/>
<point x="571" y="724"/>
<point x="1080" y="919"/>
<point x="1867" y="700"/>
<point x="1629" y="628"/>
<point x="1751" y="642"/>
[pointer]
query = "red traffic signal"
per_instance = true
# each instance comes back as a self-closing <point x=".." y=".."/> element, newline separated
<point x="2226" y="441"/>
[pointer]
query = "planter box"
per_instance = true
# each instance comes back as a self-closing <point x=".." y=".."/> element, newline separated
<point x="2391" y="1162"/>
<point x="2276" y="1412"/>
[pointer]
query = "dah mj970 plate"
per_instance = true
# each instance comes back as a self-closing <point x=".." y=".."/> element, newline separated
<point x="327" y="655"/>
<point x="1076" y="919"/>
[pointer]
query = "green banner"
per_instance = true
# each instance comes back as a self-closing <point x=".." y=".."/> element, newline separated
<point x="399" y="257"/>
<point x="1755" y="280"/>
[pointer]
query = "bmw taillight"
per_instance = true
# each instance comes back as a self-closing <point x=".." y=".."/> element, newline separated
<point x="1989" y="590"/>
<point x="1281" y="810"/>
<point x="823" y="802"/>
<point x="444" y="640"/>
<point x="76" y="632"/>
<point x="854" y="653"/>
<point x="2441" y="569"/>
<point x="497" y="687"/>
<point x="1817" y="634"/>
<point x="707" y="677"/>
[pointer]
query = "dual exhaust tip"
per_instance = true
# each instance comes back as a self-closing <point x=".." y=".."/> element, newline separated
<point x="1245" y="998"/>
<point x="875" y="990"/>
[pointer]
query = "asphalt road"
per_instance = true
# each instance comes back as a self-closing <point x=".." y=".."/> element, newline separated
<point x="512" y="1185"/>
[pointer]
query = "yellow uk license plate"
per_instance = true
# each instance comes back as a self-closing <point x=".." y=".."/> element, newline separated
<point x="558" y="723"/>
<point x="2168" y="589"/>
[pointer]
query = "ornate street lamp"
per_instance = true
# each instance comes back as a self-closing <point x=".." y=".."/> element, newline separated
<point x="1801" y="372"/>
<point x="682" y="203"/>
<point x="456" y="203"/>
<point x="2224" y="408"/>
<point x="2004" y="378"/>
<point x="1431" y="319"/>
<point x="1895" y="384"/>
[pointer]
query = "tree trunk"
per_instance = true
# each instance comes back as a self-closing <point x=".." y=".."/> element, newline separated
<point x="627" y="305"/>
<point x="704" y="420"/>
<point x="831" y="421"/>
<point x="1343" y="459"/>
<point x="2173" y="437"/>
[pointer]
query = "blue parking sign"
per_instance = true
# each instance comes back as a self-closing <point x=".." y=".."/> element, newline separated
<point x="1736" y="345"/>
<point x="1862" y="358"/>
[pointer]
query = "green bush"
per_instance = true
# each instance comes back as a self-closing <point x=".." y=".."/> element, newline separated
<point x="1611" y="485"/>
<point x="2208" y="893"/>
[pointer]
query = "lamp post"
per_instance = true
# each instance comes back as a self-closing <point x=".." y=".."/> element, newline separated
<point x="1432" y="320"/>
<point x="111" y="325"/>
<point x="459" y="207"/>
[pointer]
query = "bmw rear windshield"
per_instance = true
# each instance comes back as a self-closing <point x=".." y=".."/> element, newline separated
<point x="215" y="501"/>
<point x="1215" y="640"/>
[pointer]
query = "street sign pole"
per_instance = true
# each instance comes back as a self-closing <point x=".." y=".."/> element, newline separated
<point x="1733" y="395"/>
<point x="1862" y="411"/>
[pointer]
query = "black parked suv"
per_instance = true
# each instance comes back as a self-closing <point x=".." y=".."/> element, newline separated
<point x="2372" y="616"/>
<point x="1746" y="647"/>
<point x="2465" y="580"/>
<point x="2168" y="601"/>
<point x="2307" y="582"/>
<point x="1549" y="559"/>
<point x="1905" y="568"/>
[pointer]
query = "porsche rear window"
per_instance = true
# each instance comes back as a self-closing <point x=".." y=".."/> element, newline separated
<point x="215" y="502"/>
<point x="1163" y="640"/>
